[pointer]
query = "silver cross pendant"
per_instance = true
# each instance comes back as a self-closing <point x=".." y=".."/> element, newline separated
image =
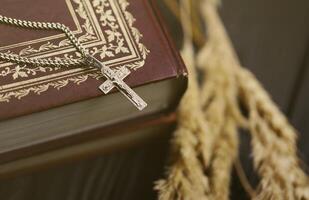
<point x="115" y="79"/>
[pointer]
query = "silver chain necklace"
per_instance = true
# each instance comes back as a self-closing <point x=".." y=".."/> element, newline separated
<point x="114" y="79"/>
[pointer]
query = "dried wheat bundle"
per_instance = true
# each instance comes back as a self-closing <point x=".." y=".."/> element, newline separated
<point x="206" y="141"/>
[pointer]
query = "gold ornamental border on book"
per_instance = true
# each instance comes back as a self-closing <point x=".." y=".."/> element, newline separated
<point x="105" y="27"/>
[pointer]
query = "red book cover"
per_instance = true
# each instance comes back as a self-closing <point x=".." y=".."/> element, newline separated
<point x="117" y="32"/>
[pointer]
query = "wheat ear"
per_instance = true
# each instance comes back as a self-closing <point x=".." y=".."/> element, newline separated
<point x="273" y="138"/>
<point x="186" y="178"/>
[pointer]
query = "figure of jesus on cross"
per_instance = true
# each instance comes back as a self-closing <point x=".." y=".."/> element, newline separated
<point x="115" y="79"/>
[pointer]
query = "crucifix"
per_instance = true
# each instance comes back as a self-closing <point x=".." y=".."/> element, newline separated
<point x="115" y="79"/>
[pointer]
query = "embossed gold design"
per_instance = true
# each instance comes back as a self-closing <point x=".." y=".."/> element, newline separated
<point x="5" y="97"/>
<point x="115" y="40"/>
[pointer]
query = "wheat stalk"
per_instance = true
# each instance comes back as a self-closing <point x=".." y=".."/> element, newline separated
<point x="206" y="136"/>
<point x="274" y="145"/>
<point x="186" y="178"/>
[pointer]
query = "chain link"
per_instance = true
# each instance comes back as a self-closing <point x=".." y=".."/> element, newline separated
<point x="44" y="26"/>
